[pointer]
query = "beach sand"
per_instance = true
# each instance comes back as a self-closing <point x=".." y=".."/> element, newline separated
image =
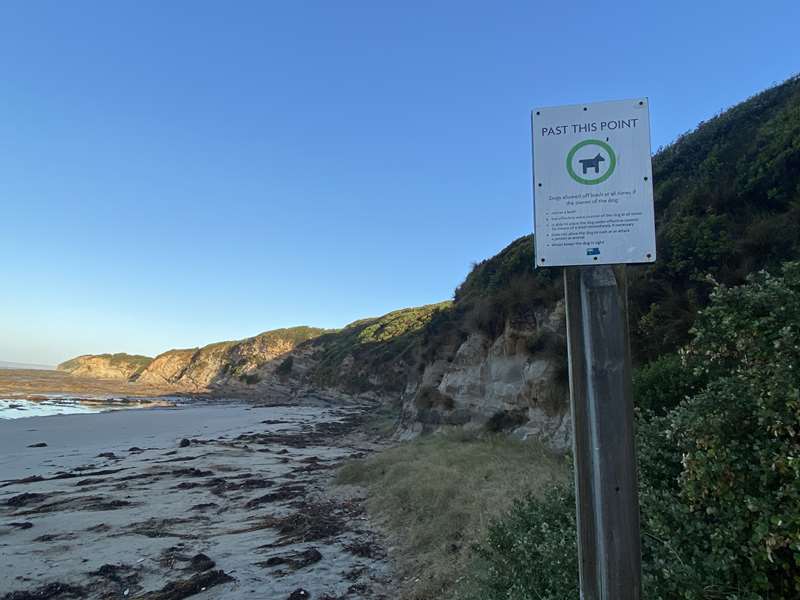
<point x="212" y="501"/>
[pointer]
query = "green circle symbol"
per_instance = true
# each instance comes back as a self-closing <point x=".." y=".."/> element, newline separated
<point x="612" y="162"/>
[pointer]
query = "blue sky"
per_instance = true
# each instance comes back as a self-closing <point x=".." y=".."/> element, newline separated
<point x="177" y="173"/>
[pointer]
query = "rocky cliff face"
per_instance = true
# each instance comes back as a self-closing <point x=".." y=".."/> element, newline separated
<point x="168" y="367"/>
<point x="247" y="366"/>
<point x="516" y="382"/>
<point x="106" y="366"/>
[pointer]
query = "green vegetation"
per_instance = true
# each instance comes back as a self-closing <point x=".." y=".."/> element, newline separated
<point x="136" y="362"/>
<point x="294" y="335"/>
<point x="440" y="492"/>
<point x="717" y="440"/>
<point x="727" y="204"/>
<point x="498" y="290"/>
<point x="530" y="553"/>
<point x="351" y="357"/>
<point x="727" y="199"/>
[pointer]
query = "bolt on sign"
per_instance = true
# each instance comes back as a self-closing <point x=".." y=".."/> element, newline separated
<point x="593" y="184"/>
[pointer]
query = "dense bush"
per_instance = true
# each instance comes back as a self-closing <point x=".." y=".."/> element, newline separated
<point x="727" y="199"/>
<point x="719" y="453"/>
<point x="532" y="552"/>
<point x="662" y="384"/>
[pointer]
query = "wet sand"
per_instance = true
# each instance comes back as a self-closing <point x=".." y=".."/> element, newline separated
<point x="215" y="501"/>
<point x="29" y="382"/>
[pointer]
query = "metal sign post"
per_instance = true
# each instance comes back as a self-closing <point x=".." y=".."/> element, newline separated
<point x="593" y="206"/>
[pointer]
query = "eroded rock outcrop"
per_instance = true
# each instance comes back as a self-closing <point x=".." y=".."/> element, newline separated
<point x="517" y="382"/>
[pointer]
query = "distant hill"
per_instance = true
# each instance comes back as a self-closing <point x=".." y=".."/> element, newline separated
<point x="106" y="366"/>
<point x="218" y="365"/>
<point x="16" y="365"/>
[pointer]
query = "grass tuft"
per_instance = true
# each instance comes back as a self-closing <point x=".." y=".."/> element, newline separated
<point x="438" y="494"/>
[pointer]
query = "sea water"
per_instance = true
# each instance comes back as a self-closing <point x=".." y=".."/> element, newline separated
<point x="59" y="404"/>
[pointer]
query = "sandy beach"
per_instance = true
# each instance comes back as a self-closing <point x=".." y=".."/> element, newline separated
<point x="209" y="501"/>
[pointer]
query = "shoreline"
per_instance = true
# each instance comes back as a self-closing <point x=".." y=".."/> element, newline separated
<point x="15" y="408"/>
<point x="43" y="382"/>
<point x="121" y="504"/>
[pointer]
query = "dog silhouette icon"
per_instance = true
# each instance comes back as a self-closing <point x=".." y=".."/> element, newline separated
<point x="592" y="163"/>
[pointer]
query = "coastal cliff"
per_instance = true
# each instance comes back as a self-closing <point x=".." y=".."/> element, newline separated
<point x="106" y="366"/>
<point x="495" y="355"/>
<point x="226" y="366"/>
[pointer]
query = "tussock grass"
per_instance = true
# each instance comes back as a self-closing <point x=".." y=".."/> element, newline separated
<point x="436" y="495"/>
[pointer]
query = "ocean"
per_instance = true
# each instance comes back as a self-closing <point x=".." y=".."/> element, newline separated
<point x="43" y="405"/>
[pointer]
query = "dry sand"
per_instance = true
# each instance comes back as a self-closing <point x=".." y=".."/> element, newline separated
<point x="209" y="501"/>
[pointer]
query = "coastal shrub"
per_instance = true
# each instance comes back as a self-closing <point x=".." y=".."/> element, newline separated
<point x="738" y="438"/>
<point x="718" y="465"/>
<point x="662" y="384"/>
<point x="531" y="552"/>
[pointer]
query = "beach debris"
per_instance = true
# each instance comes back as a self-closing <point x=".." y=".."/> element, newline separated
<point x="60" y="475"/>
<point x="183" y="588"/>
<point x="120" y="577"/>
<point x="55" y="537"/>
<point x="201" y="562"/>
<point x="366" y="548"/>
<point x="294" y="560"/>
<point x="191" y="472"/>
<point x="83" y="482"/>
<point x="219" y="486"/>
<point x="30" y="479"/>
<point x="285" y="492"/>
<point x="159" y="528"/>
<point x="26" y="498"/>
<point x="51" y="590"/>
<point x="38" y="445"/>
<point x="315" y="521"/>
<point x="97" y="503"/>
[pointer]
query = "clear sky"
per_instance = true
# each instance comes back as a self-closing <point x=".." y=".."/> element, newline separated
<point x="177" y="173"/>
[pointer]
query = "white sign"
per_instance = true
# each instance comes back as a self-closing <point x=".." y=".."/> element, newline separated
<point x="593" y="184"/>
